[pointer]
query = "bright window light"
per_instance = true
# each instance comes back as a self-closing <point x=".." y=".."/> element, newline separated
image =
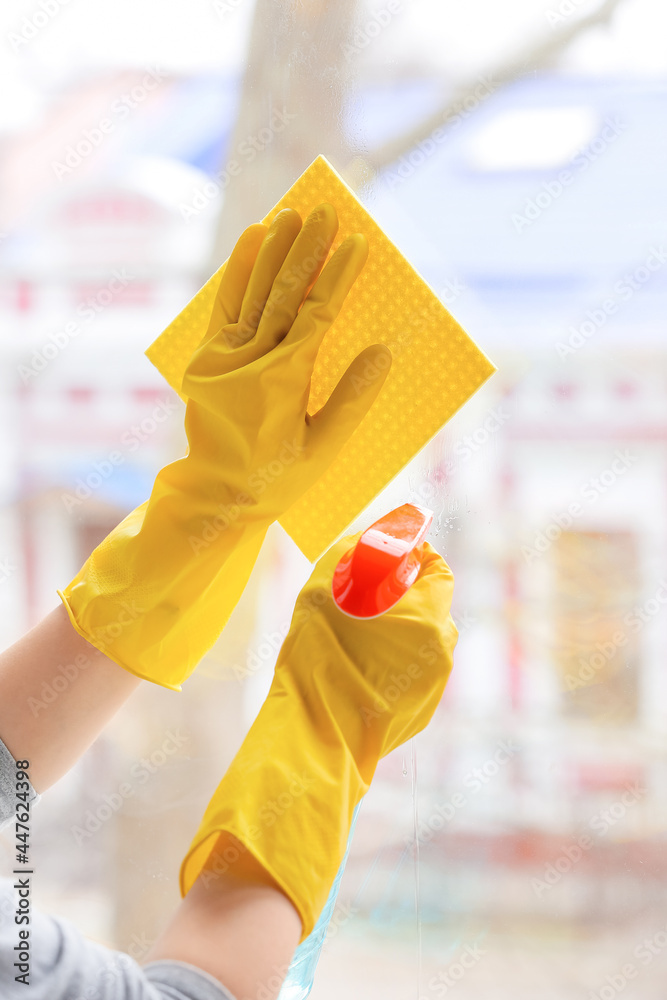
<point x="531" y="139"/>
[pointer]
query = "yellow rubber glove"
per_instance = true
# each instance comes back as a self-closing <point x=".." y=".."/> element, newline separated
<point x="156" y="593"/>
<point x="346" y="692"/>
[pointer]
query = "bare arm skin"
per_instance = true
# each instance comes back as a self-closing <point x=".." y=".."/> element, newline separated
<point x="85" y="688"/>
<point x="240" y="928"/>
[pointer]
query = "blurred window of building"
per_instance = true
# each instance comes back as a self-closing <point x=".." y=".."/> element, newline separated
<point x="596" y="580"/>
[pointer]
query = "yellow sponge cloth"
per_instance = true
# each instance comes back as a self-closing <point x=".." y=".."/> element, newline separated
<point x="436" y="367"/>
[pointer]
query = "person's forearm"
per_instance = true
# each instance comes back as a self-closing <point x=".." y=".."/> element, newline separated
<point x="57" y="692"/>
<point x="235" y="923"/>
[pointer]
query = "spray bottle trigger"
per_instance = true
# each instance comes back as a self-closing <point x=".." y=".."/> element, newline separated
<point x="384" y="563"/>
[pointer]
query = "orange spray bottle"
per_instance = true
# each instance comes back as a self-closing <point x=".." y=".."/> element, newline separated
<point x="369" y="580"/>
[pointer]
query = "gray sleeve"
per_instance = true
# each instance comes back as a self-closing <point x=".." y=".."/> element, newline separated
<point x="63" y="965"/>
<point x="8" y="787"/>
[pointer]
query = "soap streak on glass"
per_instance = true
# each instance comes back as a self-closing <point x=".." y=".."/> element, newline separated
<point x="415" y="815"/>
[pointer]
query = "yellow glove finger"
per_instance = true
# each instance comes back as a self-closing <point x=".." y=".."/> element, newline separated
<point x="298" y="273"/>
<point x="281" y="235"/>
<point x="327" y="296"/>
<point x="350" y="401"/>
<point x="235" y="278"/>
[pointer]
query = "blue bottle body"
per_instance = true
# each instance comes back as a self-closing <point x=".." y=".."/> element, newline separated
<point x="301" y="973"/>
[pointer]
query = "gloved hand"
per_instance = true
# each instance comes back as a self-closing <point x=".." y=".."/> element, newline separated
<point x="156" y="593"/>
<point x="345" y="693"/>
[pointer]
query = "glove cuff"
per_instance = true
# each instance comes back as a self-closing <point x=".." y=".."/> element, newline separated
<point x="288" y="797"/>
<point x="155" y="602"/>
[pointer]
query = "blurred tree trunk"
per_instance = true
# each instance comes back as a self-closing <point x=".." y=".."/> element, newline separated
<point x="154" y="827"/>
<point x="291" y="108"/>
<point x="293" y="102"/>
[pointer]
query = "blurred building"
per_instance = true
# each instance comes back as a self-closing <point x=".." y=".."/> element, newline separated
<point x="536" y="220"/>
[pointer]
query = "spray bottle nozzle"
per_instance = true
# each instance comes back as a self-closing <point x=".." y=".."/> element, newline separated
<point x="384" y="563"/>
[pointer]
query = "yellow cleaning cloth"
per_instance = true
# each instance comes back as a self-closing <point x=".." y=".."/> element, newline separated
<point x="436" y="367"/>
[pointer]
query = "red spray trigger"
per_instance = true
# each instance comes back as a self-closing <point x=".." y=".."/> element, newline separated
<point x="384" y="563"/>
